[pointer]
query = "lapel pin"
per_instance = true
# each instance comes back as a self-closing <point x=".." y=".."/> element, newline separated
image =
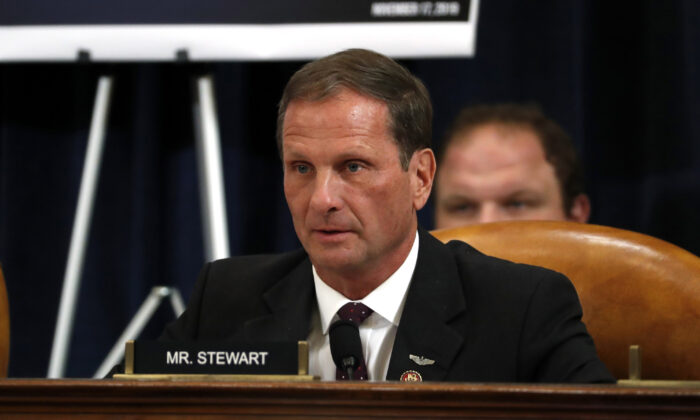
<point x="411" y="376"/>
<point x="420" y="360"/>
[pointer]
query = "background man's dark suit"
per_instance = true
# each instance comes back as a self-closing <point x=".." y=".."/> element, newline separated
<point x="479" y="318"/>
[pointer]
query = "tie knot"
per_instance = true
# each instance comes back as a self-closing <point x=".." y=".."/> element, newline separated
<point x="354" y="312"/>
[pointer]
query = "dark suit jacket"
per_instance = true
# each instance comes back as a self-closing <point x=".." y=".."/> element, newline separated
<point x="480" y="318"/>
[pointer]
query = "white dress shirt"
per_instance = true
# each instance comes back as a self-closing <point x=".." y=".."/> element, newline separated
<point x="377" y="332"/>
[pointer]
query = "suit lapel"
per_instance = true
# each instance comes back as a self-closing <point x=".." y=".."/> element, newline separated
<point x="428" y="327"/>
<point x="290" y="302"/>
<point x="426" y="330"/>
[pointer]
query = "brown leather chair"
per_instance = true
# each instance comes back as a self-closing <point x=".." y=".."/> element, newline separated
<point x="634" y="289"/>
<point x="4" y="328"/>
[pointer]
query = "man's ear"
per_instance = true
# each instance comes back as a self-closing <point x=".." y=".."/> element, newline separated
<point x="422" y="171"/>
<point x="580" y="209"/>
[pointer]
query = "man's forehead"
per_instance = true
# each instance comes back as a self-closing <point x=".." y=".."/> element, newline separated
<point x="489" y="165"/>
<point x="497" y="187"/>
<point x="346" y="114"/>
<point x="492" y="147"/>
<point x="340" y="147"/>
<point x="350" y="100"/>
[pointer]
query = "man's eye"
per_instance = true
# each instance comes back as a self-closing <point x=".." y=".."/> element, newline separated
<point x="354" y="167"/>
<point x="516" y="204"/>
<point x="461" y="208"/>
<point x="302" y="169"/>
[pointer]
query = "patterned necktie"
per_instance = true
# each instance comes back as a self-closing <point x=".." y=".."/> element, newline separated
<point x="356" y="313"/>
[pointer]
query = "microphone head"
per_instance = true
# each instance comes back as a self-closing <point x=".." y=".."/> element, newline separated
<point x="346" y="347"/>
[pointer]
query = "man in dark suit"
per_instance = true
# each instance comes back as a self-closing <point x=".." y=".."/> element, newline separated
<point x="354" y="134"/>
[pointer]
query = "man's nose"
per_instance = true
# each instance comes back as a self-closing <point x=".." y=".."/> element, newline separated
<point x="488" y="212"/>
<point x="326" y="194"/>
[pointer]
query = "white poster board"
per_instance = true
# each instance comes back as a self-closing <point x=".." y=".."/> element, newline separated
<point x="204" y="30"/>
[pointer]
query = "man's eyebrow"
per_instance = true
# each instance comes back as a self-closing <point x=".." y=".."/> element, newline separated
<point x="355" y="154"/>
<point x="293" y="154"/>
<point x="523" y="193"/>
<point x="457" y="198"/>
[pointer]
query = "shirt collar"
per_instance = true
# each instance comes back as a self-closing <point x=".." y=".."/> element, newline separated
<point x="387" y="300"/>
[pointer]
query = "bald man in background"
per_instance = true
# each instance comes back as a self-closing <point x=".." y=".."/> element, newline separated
<point x="508" y="162"/>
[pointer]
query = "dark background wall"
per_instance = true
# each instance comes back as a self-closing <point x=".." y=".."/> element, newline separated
<point x="621" y="79"/>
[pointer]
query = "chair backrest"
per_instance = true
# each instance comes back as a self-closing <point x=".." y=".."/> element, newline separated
<point x="634" y="288"/>
<point x="4" y="328"/>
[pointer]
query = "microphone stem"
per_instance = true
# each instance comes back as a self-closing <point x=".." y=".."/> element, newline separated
<point x="350" y="373"/>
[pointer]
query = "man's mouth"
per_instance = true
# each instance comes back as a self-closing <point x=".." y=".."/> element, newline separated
<point x="331" y="233"/>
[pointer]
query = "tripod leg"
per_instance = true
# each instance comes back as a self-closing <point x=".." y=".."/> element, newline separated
<point x="176" y="301"/>
<point x="143" y="315"/>
<point x="81" y="228"/>
<point x="211" y="178"/>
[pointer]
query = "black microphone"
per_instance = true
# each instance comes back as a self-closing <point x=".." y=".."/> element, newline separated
<point x="346" y="347"/>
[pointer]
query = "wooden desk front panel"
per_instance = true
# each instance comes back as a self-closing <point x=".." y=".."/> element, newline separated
<point x="104" y="399"/>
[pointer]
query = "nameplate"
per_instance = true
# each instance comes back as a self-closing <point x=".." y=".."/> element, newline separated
<point x="222" y="358"/>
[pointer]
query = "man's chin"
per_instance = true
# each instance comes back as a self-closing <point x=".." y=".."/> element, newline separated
<point x="334" y="260"/>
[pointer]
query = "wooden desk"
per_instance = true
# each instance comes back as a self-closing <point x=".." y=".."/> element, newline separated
<point x="103" y="399"/>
